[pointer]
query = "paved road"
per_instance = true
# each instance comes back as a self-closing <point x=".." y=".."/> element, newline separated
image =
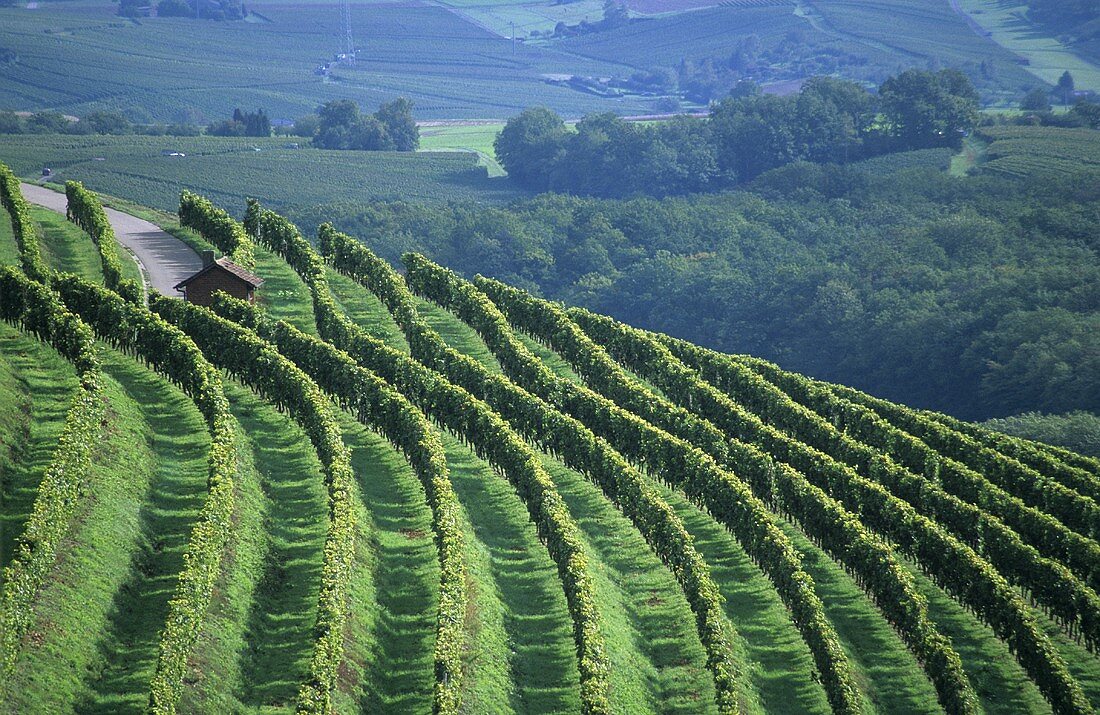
<point x="164" y="259"/>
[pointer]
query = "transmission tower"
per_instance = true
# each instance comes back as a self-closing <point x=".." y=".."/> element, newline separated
<point x="348" y="42"/>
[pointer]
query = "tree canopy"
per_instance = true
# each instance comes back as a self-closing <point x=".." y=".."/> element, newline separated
<point x="829" y="120"/>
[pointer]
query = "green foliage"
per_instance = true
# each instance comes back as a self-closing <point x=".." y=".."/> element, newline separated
<point x="838" y="531"/>
<point x="242" y="353"/>
<point x="579" y="449"/>
<point x="378" y="405"/>
<point x="961" y="500"/>
<point x="488" y="434"/>
<point x="37" y="310"/>
<point x="85" y="210"/>
<point x="22" y="226"/>
<point x="926" y="109"/>
<point x="217" y="227"/>
<point x="1077" y="431"/>
<point x="340" y="125"/>
<point x="955" y="566"/>
<point x="131" y="327"/>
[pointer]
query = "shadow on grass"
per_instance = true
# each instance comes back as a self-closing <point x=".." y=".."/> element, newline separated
<point x="47" y="383"/>
<point x="540" y="632"/>
<point x="279" y="637"/>
<point x="665" y="667"/>
<point x="178" y="439"/>
<point x="399" y="674"/>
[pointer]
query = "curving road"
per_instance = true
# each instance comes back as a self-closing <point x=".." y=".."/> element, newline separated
<point x="164" y="259"/>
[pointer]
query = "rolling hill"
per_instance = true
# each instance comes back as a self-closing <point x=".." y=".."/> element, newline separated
<point x="408" y="492"/>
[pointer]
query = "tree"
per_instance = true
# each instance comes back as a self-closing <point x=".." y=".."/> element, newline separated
<point x="1037" y="100"/>
<point x="307" y="126"/>
<point x="11" y="123"/>
<point x="397" y="118"/>
<point x="529" y="146"/>
<point x="929" y="109"/>
<point x="369" y="134"/>
<point x="175" y="8"/>
<point x="615" y="15"/>
<point x="337" y="119"/>
<point x="107" y="123"/>
<point x="1065" y="87"/>
<point x="338" y="113"/>
<point x="48" y="123"/>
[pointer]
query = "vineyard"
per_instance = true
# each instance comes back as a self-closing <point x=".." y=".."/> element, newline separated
<point x="139" y="168"/>
<point x="401" y="490"/>
<point x="1043" y="151"/>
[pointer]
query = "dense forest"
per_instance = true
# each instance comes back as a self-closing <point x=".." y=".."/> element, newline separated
<point x="979" y="296"/>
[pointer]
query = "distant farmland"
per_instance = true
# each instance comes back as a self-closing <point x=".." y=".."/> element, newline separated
<point x="228" y="170"/>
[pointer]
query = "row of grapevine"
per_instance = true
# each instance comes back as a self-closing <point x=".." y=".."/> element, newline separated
<point x="23" y="226"/>
<point x="579" y="449"/>
<point x="747" y="517"/>
<point x="379" y="406"/>
<point x="870" y="559"/>
<point x="85" y="210"/>
<point x="1066" y="466"/>
<point x="36" y="309"/>
<point x="487" y="434"/>
<point x="1080" y="554"/>
<point x="1077" y="510"/>
<point x="133" y="329"/>
<point x="1050" y="582"/>
<point x="955" y="566"/>
<point x="240" y="352"/>
<point x="218" y="227"/>
<point x="427" y="464"/>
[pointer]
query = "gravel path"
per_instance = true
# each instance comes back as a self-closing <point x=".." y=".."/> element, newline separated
<point x="164" y="259"/>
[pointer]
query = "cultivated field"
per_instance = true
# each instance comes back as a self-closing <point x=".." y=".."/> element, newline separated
<point x="228" y="170"/>
<point x="78" y="56"/>
<point x="1021" y="151"/>
<point x="507" y="507"/>
<point x="455" y="60"/>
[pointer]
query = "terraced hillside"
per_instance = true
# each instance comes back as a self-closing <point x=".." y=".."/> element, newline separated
<point x="386" y="491"/>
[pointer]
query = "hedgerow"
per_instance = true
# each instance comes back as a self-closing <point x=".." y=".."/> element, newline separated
<point x="23" y="226"/>
<point x="133" y="329"/>
<point x="486" y="433"/>
<point x="242" y="353"/>
<point x="217" y="227"/>
<point x="85" y="210"/>
<point x="35" y="308"/>
<point x="378" y="405"/>
<point x="953" y="565"/>
<point x="871" y="561"/>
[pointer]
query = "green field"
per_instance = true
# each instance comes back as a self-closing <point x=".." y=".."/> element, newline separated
<point x="79" y="56"/>
<point x="455" y="59"/>
<point x="1052" y="151"/>
<point x="472" y="137"/>
<point x="1046" y="57"/>
<point x="228" y="170"/>
<point x="95" y="625"/>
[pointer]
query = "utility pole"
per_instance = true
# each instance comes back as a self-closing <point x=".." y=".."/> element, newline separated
<point x="347" y="33"/>
<point x="513" y="37"/>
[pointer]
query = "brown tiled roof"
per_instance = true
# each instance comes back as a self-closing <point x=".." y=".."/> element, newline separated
<point x="230" y="267"/>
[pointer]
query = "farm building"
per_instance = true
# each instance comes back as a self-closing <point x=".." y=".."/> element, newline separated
<point x="219" y="274"/>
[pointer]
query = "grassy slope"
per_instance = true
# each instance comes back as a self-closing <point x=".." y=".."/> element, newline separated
<point x="78" y="603"/>
<point x="886" y="670"/>
<point x="657" y="660"/>
<point x="215" y="680"/>
<point x="542" y="669"/>
<point x="178" y="441"/>
<point x="36" y="393"/>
